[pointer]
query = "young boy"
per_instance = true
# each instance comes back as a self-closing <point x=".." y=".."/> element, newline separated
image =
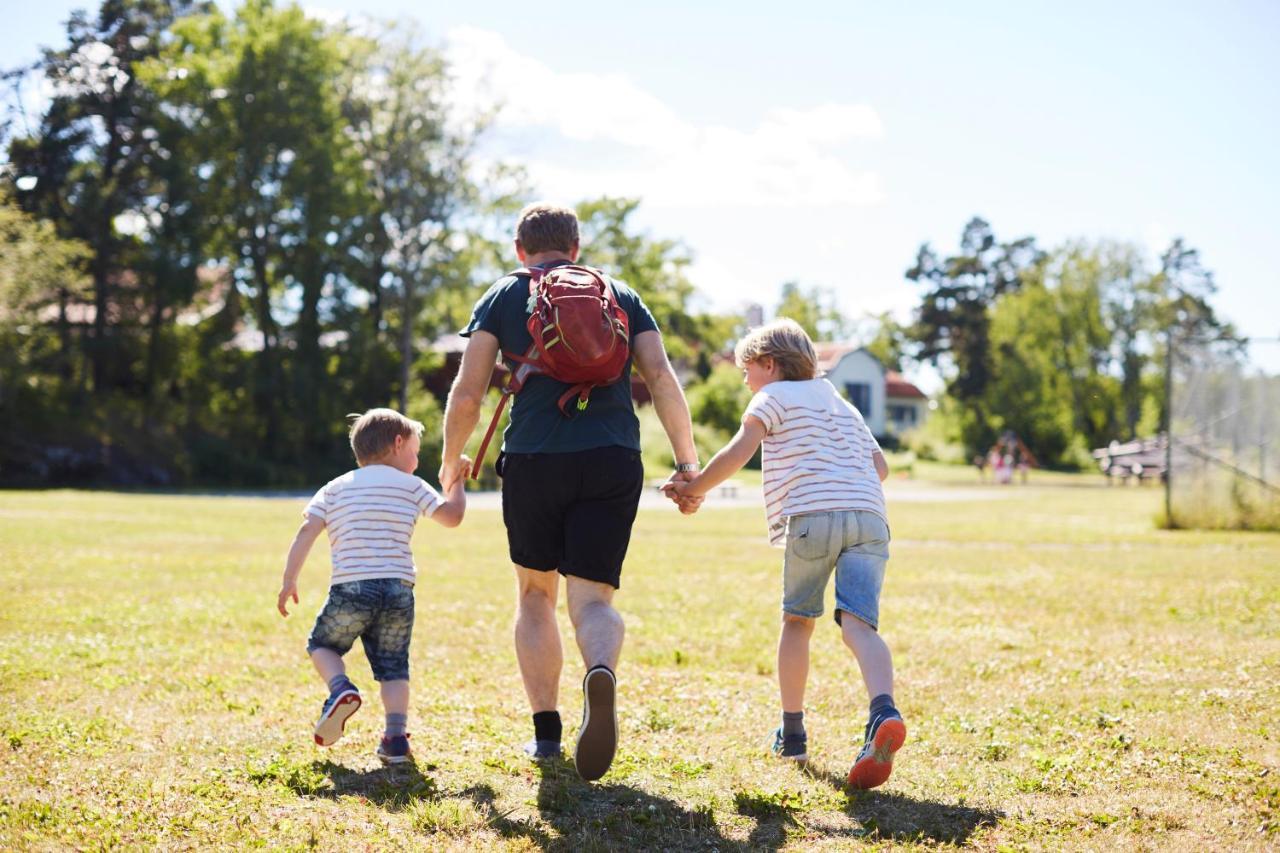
<point x="825" y="504"/>
<point x="370" y="514"/>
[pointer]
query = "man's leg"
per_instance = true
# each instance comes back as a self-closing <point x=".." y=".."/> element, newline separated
<point x="599" y="631"/>
<point x="538" y="637"/>
<point x="598" y="627"/>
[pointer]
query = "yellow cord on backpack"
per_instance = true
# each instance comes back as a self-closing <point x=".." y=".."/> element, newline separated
<point x="582" y="404"/>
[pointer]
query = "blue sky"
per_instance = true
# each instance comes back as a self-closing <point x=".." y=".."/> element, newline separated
<point x="823" y="142"/>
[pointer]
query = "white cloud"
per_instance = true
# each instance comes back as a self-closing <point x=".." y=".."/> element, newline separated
<point x="637" y="145"/>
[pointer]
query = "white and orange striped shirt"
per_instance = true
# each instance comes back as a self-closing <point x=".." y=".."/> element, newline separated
<point x="370" y="514"/>
<point x="817" y="454"/>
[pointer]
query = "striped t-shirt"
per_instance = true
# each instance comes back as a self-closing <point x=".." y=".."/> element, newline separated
<point x="817" y="453"/>
<point x="370" y="514"/>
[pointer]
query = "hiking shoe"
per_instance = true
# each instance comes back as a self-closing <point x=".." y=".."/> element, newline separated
<point x="395" y="749"/>
<point x="337" y="709"/>
<point x="874" y="763"/>
<point x="598" y="737"/>
<point x="540" y="750"/>
<point x="793" y="747"/>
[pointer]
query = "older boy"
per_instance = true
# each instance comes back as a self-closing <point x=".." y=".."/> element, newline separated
<point x="825" y="504"/>
<point x="370" y="514"/>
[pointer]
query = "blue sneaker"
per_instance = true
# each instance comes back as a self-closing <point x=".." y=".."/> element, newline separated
<point x="792" y="748"/>
<point x="540" y="750"/>
<point x="395" y="749"/>
<point x="337" y="709"/>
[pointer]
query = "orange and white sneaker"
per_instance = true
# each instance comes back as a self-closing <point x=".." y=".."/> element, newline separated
<point x="875" y="762"/>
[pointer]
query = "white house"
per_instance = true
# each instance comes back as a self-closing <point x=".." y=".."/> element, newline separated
<point x="889" y="403"/>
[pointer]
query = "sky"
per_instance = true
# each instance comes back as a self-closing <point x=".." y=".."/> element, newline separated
<point x="824" y="142"/>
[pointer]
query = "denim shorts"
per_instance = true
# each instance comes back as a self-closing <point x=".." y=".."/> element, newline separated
<point x="853" y="543"/>
<point x="380" y="613"/>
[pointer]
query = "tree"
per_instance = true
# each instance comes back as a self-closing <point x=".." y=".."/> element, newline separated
<point x="92" y="158"/>
<point x="282" y="179"/>
<point x="658" y="271"/>
<point x="416" y="165"/>
<point x="952" y="326"/>
<point x="41" y="274"/>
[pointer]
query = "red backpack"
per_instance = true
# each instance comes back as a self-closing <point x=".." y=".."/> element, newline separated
<point x="580" y="333"/>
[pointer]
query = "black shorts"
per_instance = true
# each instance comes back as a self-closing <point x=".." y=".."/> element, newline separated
<point x="571" y="511"/>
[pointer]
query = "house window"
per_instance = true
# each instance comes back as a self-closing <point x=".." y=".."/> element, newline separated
<point x="903" y="415"/>
<point x="859" y="393"/>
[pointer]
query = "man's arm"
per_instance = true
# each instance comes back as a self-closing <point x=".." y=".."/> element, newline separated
<point x="298" y="552"/>
<point x="462" y="412"/>
<point x="668" y="396"/>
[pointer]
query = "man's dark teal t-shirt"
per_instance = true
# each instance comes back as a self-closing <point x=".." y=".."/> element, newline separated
<point x="537" y="426"/>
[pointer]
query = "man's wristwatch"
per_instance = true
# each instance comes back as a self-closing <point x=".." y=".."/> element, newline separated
<point x="686" y="467"/>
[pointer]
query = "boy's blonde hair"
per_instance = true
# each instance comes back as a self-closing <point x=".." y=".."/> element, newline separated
<point x="786" y="343"/>
<point x="373" y="434"/>
<point x="544" y="227"/>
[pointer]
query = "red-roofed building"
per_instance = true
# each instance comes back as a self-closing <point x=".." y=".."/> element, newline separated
<point x="888" y="402"/>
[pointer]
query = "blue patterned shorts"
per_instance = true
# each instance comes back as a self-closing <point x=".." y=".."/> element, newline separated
<point x="380" y="613"/>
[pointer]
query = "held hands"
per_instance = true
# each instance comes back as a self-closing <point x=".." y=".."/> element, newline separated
<point x="453" y="471"/>
<point x="677" y="489"/>
<point x="289" y="589"/>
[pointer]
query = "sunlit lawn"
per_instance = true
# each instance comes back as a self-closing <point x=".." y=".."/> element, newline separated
<point x="1071" y="677"/>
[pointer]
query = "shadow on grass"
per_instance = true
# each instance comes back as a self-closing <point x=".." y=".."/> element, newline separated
<point x="614" y="816"/>
<point x="887" y="814"/>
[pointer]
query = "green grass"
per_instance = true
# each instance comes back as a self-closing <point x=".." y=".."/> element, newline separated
<point x="1071" y="676"/>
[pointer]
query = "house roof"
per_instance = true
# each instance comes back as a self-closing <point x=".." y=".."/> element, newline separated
<point x="896" y="386"/>
<point x="830" y="353"/>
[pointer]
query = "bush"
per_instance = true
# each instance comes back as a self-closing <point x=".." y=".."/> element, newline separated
<point x="656" y="448"/>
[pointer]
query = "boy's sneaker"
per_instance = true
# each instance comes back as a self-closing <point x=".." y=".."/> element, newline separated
<point x="874" y="763"/>
<point x="598" y="737"/>
<point x="792" y="747"/>
<point x="541" y="750"/>
<point x="395" y="749"/>
<point x="337" y="709"/>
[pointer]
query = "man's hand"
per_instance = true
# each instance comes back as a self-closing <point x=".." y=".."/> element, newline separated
<point x="674" y="488"/>
<point x="287" y="591"/>
<point x="453" y="470"/>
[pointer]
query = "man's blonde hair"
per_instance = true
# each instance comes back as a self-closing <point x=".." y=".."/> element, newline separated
<point x="786" y="343"/>
<point x="373" y="434"/>
<point x="544" y="227"/>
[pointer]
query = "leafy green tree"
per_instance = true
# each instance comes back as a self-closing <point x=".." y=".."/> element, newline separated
<point x="952" y="327"/>
<point x="93" y="158"/>
<point x="282" y="179"/>
<point x="41" y="275"/>
<point x="416" y="158"/>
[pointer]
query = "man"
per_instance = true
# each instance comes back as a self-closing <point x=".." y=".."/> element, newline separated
<point x="571" y="486"/>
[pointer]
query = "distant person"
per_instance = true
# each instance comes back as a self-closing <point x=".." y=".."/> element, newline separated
<point x="571" y="471"/>
<point x="825" y="504"/>
<point x="370" y="514"/>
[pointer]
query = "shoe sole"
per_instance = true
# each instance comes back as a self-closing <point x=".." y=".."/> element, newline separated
<point x="598" y="737"/>
<point x="395" y="759"/>
<point x="330" y="727"/>
<point x="874" y="768"/>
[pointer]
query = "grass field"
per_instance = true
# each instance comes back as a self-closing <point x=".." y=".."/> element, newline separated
<point x="1071" y="677"/>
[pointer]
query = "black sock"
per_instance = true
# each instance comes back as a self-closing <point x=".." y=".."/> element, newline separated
<point x="882" y="705"/>
<point x="546" y="726"/>
<point x="792" y="723"/>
